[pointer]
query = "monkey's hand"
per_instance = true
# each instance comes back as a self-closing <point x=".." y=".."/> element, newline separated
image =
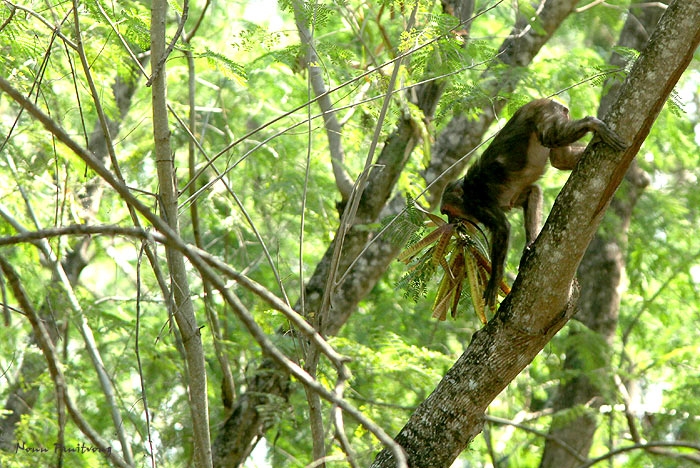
<point x="491" y="292"/>
<point x="609" y="137"/>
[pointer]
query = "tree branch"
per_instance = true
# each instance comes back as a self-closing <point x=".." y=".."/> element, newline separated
<point x="168" y="193"/>
<point x="330" y="119"/>
<point x="649" y="446"/>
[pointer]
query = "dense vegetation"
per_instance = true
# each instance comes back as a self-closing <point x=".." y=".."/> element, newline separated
<point x="183" y="209"/>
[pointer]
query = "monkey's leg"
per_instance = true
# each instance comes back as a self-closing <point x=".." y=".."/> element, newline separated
<point x="498" y="225"/>
<point x="532" y="213"/>
<point x="565" y="157"/>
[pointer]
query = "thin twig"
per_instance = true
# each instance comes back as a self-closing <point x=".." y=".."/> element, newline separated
<point x="236" y="199"/>
<point x="589" y="6"/>
<point x="174" y="240"/>
<point x="137" y="352"/>
<point x="88" y="339"/>
<point x="646" y="446"/>
<point x="360" y="77"/>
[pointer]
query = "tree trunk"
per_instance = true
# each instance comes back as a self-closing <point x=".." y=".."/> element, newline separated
<point x="599" y="275"/>
<point x="183" y="313"/>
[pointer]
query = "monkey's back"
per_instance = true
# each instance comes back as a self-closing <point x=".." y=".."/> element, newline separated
<point x="504" y="160"/>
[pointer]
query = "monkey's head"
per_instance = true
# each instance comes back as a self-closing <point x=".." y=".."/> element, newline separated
<point x="452" y="203"/>
<point x="556" y="109"/>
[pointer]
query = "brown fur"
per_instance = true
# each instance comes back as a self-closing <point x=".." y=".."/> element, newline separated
<point x="505" y="175"/>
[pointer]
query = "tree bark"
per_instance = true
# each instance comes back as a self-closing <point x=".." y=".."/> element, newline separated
<point x="184" y="310"/>
<point x="599" y="274"/>
<point x="540" y="301"/>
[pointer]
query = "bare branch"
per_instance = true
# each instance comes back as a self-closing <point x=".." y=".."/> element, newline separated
<point x="158" y="67"/>
<point x="648" y="446"/>
<point x="49" y="352"/>
<point x="333" y="128"/>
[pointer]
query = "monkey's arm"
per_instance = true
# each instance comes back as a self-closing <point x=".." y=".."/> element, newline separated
<point x="557" y="133"/>
<point x="497" y="223"/>
<point x="609" y="137"/>
<point x="565" y="157"/>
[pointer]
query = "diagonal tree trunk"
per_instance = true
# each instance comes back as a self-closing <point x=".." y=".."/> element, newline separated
<point x="599" y="275"/>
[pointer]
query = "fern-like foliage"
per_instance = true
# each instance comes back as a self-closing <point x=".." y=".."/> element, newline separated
<point x="454" y="248"/>
<point x="224" y="64"/>
<point x="138" y="31"/>
<point x="406" y="227"/>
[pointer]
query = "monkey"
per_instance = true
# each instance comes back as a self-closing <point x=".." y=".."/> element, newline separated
<point x="504" y="176"/>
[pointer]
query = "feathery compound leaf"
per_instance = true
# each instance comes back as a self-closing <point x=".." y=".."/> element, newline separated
<point x="411" y="251"/>
<point x="137" y="28"/>
<point x="230" y="68"/>
<point x="477" y="291"/>
<point x="468" y="261"/>
<point x="415" y="281"/>
<point x="405" y="227"/>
